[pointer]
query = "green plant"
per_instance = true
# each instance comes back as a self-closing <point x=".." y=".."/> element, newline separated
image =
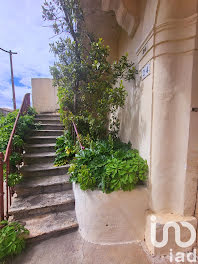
<point x="66" y="148"/>
<point x="90" y="88"/>
<point x="108" y="165"/>
<point x="31" y="111"/>
<point x="12" y="239"/>
<point x="14" y="178"/>
<point x="124" y="173"/>
<point x="6" y="126"/>
<point x="24" y="127"/>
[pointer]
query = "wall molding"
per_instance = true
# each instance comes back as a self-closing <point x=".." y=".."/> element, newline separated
<point x="180" y="33"/>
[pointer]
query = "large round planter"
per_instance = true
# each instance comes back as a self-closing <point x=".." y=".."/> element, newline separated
<point x="115" y="218"/>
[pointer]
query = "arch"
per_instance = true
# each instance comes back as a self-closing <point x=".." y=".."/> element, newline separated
<point x="127" y="13"/>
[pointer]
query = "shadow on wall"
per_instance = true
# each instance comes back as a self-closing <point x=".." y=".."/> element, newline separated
<point x="132" y="125"/>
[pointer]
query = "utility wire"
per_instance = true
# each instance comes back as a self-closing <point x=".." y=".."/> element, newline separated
<point x="8" y="51"/>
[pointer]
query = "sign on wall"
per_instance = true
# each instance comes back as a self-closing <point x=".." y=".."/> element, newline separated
<point x="146" y="70"/>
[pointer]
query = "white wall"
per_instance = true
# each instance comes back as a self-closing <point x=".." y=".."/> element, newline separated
<point x="44" y="95"/>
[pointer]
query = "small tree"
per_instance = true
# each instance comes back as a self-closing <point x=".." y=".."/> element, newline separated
<point x="90" y="88"/>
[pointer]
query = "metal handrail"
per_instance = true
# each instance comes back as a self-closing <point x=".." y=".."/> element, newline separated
<point x="77" y="135"/>
<point x="23" y="109"/>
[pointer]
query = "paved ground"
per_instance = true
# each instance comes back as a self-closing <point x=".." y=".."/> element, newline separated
<point x="72" y="249"/>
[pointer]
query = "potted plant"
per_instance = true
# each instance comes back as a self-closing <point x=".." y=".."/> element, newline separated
<point x="110" y="196"/>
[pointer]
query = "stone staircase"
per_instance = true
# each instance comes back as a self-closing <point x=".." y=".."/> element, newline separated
<point x="45" y="200"/>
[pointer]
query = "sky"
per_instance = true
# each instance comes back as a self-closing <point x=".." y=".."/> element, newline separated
<point x="23" y="30"/>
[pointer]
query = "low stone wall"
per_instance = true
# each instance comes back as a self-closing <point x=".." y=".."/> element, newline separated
<point x="5" y="111"/>
<point x="114" y="218"/>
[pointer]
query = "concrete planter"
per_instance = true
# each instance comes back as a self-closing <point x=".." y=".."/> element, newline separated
<point x="114" y="218"/>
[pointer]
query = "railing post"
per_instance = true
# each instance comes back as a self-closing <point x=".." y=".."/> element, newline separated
<point x="77" y="135"/>
<point x="1" y="188"/>
<point x="28" y="100"/>
<point x="7" y="188"/>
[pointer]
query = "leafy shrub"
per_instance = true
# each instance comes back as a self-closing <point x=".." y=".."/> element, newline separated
<point x="6" y="126"/>
<point x="66" y="148"/>
<point x="14" y="178"/>
<point x="24" y="127"/>
<point x="31" y="111"/>
<point x="12" y="239"/>
<point x="108" y="166"/>
<point x="90" y="88"/>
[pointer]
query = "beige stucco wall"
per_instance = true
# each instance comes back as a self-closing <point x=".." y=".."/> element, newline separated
<point x="136" y="116"/>
<point x="44" y="95"/>
<point x="157" y="117"/>
<point x="96" y="18"/>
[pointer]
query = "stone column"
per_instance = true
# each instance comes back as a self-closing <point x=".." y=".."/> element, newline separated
<point x="174" y="146"/>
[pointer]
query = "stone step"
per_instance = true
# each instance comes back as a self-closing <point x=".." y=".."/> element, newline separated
<point x="49" y="225"/>
<point x="38" y="185"/>
<point x="47" y="121"/>
<point x="48" y="114"/>
<point x="43" y="170"/>
<point x="42" y="204"/>
<point x="39" y="148"/>
<point x="47" y="132"/>
<point x="41" y="139"/>
<point x="44" y="126"/>
<point x="44" y="200"/>
<point x="32" y="158"/>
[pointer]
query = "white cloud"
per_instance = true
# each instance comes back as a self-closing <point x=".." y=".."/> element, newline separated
<point x="22" y="31"/>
